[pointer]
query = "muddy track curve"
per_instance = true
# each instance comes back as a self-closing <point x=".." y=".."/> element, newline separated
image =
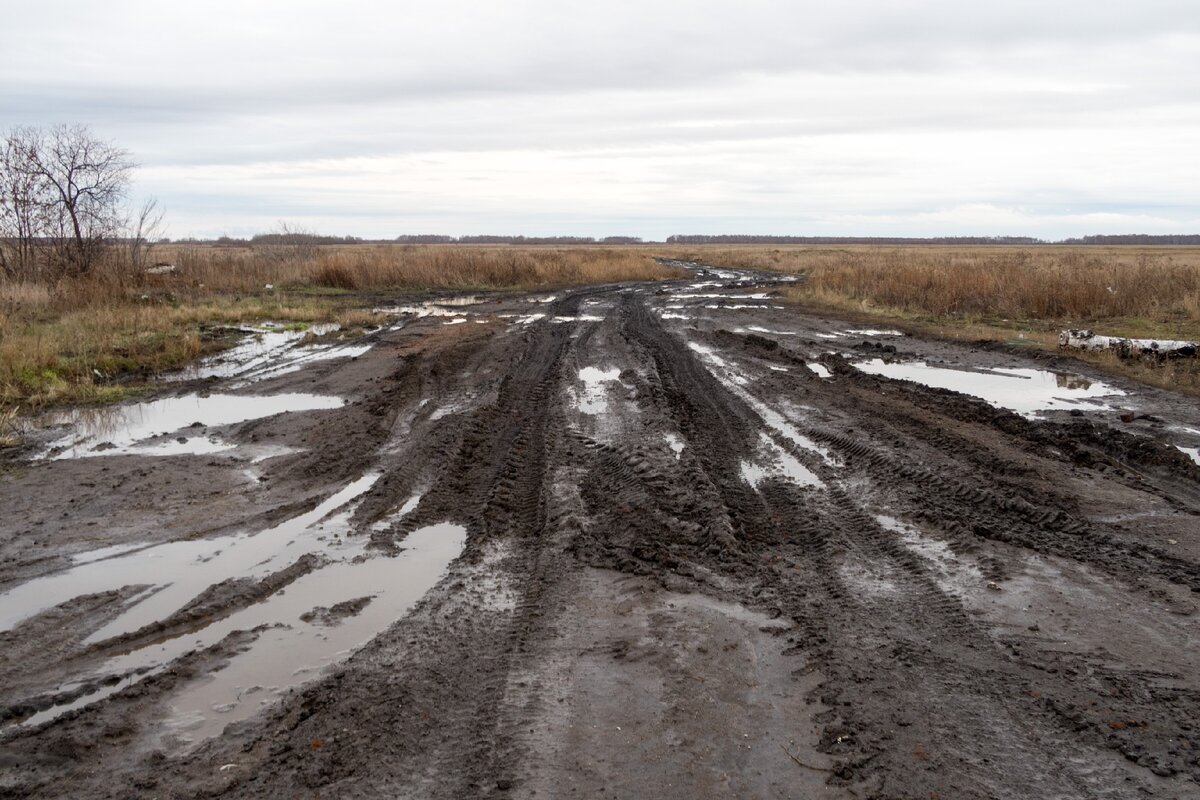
<point x="655" y="539"/>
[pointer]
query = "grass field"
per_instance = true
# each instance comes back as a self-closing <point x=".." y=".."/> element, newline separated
<point x="1024" y="295"/>
<point x="89" y="340"/>
<point x="81" y="341"/>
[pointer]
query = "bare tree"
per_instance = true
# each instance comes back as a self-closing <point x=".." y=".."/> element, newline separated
<point x="62" y="193"/>
<point x="87" y="180"/>
<point x="145" y="228"/>
<point x="23" y="210"/>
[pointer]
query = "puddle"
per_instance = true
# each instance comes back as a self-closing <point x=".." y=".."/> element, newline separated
<point x="1192" y="452"/>
<point x="775" y="368"/>
<point x="297" y="358"/>
<point x="736" y="306"/>
<point x="955" y="575"/>
<point x="579" y="318"/>
<point x="386" y="522"/>
<point x="675" y="443"/>
<point x="594" y="399"/>
<point x="770" y="416"/>
<point x="672" y="315"/>
<point x="283" y="657"/>
<point x="1025" y="391"/>
<point x="261" y="346"/>
<point x="820" y="370"/>
<point x="709" y="354"/>
<point x="871" y="332"/>
<point x="455" y="321"/>
<point x="693" y="296"/>
<point x="757" y="329"/>
<point x="523" y="319"/>
<point x="782" y="464"/>
<point x="182" y="569"/>
<point x="266" y="350"/>
<point x="449" y="307"/>
<point x="125" y="429"/>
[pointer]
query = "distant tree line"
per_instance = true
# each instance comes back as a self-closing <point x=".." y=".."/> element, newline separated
<point x="752" y="239"/>
<point x="1136" y="238"/>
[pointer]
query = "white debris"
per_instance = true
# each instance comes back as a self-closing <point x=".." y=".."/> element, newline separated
<point x="1087" y="340"/>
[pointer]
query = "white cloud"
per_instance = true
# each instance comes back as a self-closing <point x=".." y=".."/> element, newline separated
<point x="650" y="118"/>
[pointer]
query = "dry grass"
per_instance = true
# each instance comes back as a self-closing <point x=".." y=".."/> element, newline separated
<point x="416" y="267"/>
<point x="1007" y="293"/>
<point x="81" y="341"/>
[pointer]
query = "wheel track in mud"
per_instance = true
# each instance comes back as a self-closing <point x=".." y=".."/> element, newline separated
<point x="903" y="664"/>
<point x="965" y="659"/>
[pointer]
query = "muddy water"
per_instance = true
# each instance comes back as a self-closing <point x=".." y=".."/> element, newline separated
<point x="125" y="429"/>
<point x="178" y="570"/>
<point x="306" y="629"/>
<point x="284" y="656"/>
<point x="594" y="398"/>
<point x="1026" y="391"/>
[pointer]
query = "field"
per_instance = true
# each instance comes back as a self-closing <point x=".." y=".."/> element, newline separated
<point x="90" y="340"/>
<point x="93" y="340"/>
<point x="1020" y="295"/>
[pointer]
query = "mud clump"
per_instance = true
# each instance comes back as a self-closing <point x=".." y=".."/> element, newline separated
<point x="334" y="614"/>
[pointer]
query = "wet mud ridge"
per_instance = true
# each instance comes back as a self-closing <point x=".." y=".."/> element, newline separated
<point x="673" y="539"/>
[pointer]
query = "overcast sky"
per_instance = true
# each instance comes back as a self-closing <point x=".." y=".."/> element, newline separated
<point x="544" y="117"/>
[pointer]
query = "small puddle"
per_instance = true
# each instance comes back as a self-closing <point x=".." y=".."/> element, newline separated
<point x="675" y="443"/>
<point x="757" y="329"/>
<point x="122" y="429"/>
<point x="265" y="352"/>
<point x="871" y="332"/>
<point x="386" y="522"/>
<point x="451" y="307"/>
<point x="691" y="296"/>
<point x="820" y="370"/>
<point x="1191" y="452"/>
<point x="783" y="464"/>
<point x="523" y="319"/>
<point x="594" y="399"/>
<point x="1025" y="391"/>
<point x="579" y="318"/>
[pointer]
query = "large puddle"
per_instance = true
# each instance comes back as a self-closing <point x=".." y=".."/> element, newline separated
<point x="1025" y="391"/>
<point x="285" y="656"/>
<point x="129" y="429"/>
<point x="317" y="620"/>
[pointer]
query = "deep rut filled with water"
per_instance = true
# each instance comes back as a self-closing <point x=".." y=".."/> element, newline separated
<point x="674" y="539"/>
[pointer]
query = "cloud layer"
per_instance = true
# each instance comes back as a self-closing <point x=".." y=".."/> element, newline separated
<point x="648" y="118"/>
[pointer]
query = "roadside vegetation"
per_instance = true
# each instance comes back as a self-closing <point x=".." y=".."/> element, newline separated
<point x="1015" y="294"/>
<point x="95" y="337"/>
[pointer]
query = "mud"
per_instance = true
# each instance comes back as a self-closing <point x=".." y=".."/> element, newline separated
<point x="672" y="539"/>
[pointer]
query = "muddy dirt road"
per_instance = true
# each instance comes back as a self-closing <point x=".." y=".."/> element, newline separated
<point x="664" y="540"/>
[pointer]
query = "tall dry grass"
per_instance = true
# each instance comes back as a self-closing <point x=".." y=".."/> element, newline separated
<point x="74" y="340"/>
<point x="364" y="266"/>
<point x="1044" y="283"/>
<point x="1006" y="293"/>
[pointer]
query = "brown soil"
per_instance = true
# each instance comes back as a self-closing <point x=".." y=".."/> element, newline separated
<point x="971" y="604"/>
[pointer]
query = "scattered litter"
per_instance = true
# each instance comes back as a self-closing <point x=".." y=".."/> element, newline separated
<point x="1127" y="348"/>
